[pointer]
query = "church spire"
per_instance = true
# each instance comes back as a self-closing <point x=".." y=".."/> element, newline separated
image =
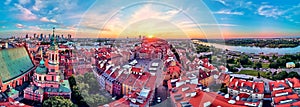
<point x="53" y="45"/>
<point x="53" y="30"/>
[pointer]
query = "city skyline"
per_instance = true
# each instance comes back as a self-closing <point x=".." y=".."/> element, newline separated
<point x="171" y="19"/>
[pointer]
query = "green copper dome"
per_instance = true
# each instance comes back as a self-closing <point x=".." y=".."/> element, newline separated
<point x="41" y="69"/>
<point x="42" y="62"/>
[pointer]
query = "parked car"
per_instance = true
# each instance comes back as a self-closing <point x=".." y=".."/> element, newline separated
<point x="158" y="99"/>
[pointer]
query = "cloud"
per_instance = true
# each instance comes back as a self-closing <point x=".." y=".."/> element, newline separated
<point x="269" y="11"/>
<point x="222" y="2"/>
<point x="24" y="1"/>
<point x="7" y="2"/>
<point x="34" y="28"/>
<point x="38" y="5"/>
<point x="221" y="25"/>
<point x="152" y="13"/>
<point x="26" y="14"/>
<point x="3" y="27"/>
<point x="229" y="12"/>
<point x="20" y="25"/>
<point x="189" y="24"/>
<point x="45" y="19"/>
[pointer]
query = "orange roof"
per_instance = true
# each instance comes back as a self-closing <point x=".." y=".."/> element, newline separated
<point x="173" y="69"/>
<point x="130" y="80"/>
<point x="295" y="81"/>
<point x="282" y="91"/>
<point x="284" y="105"/>
<point x="236" y="84"/>
<point x="282" y="98"/>
<point x="135" y="69"/>
<point x="276" y="84"/>
<point x="215" y="99"/>
<point x="140" y="82"/>
<point x="296" y="103"/>
<point x="151" y="82"/>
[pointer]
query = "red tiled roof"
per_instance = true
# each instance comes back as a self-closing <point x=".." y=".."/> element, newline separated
<point x="135" y="69"/>
<point x="282" y="98"/>
<point x="115" y="73"/>
<point x="140" y="82"/>
<point x="236" y="84"/>
<point x="243" y="95"/>
<point x="203" y="74"/>
<point x="123" y="76"/>
<point x="276" y="84"/>
<point x="259" y="86"/>
<point x="215" y="99"/>
<point x="174" y="69"/>
<point x="151" y="82"/>
<point x="205" y="60"/>
<point x="295" y="103"/>
<point x="224" y="77"/>
<point x="119" y="103"/>
<point x="130" y="80"/>
<point x="284" y="105"/>
<point x="295" y="82"/>
<point x="281" y="91"/>
<point x="108" y="72"/>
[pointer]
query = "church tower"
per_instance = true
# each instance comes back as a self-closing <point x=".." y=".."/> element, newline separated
<point x="53" y="55"/>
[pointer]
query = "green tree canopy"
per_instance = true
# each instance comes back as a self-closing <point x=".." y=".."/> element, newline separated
<point x="257" y="65"/>
<point x="281" y="75"/>
<point x="293" y="74"/>
<point x="58" y="101"/>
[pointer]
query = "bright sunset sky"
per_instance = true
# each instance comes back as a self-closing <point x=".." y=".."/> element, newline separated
<point x="168" y="19"/>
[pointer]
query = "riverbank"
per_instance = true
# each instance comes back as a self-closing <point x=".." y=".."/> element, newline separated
<point x="255" y="50"/>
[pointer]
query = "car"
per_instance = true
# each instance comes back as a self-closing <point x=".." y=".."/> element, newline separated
<point x="158" y="99"/>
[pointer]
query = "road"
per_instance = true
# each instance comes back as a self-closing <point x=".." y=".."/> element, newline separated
<point x="163" y="93"/>
<point x="158" y="72"/>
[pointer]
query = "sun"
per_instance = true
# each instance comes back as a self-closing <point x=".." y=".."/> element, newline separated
<point x="150" y="36"/>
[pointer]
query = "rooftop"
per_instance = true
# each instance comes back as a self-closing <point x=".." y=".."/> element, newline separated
<point x="14" y="62"/>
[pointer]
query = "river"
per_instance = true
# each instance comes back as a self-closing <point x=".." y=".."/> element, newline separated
<point x="248" y="49"/>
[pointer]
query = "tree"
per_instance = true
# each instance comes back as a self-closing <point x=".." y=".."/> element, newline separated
<point x="281" y="75"/>
<point x="293" y="74"/>
<point x="297" y="65"/>
<point x="214" y="59"/>
<point x="230" y="60"/>
<point x="86" y="91"/>
<point x="244" y="60"/>
<point x="273" y="65"/>
<point x="58" y="101"/>
<point x="257" y="65"/>
<point x="223" y="88"/>
<point x="274" y="57"/>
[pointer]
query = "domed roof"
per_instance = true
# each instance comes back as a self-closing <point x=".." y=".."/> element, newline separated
<point x="41" y="69"/>
<point x="42" y="62"/>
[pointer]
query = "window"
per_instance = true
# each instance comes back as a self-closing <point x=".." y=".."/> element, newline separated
<point x="45" y="79"/>
<point x="52" y="78"/>
<point x="40" y="78"/>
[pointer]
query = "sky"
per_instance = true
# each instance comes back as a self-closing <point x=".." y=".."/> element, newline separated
<point x="165" y="19"/>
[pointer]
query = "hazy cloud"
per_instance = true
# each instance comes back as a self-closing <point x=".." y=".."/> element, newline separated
<point x="20" y="25"/>
<point x="26" y="14"/>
